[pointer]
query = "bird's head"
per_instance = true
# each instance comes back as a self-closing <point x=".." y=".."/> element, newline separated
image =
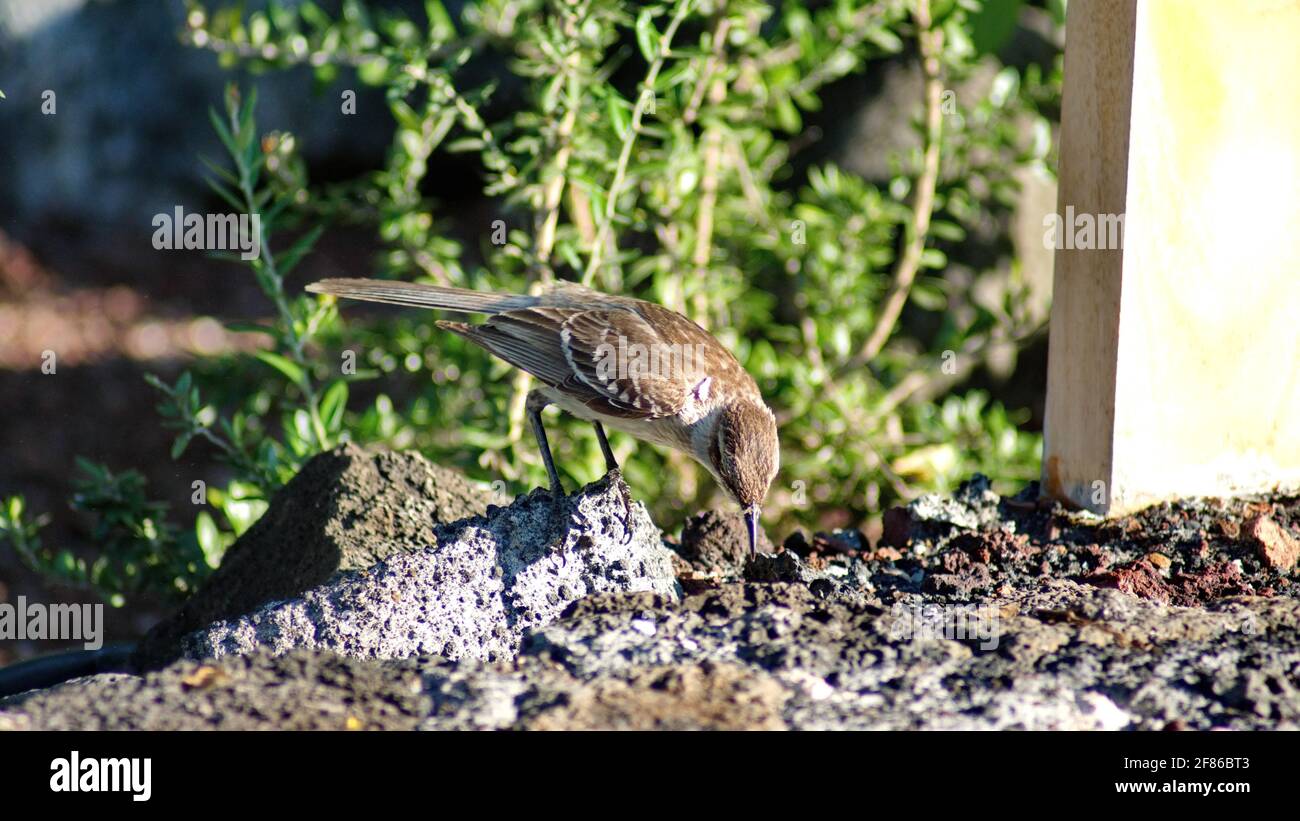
<point x="745" y="456"/>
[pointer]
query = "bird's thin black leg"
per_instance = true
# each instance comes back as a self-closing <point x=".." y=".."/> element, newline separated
<point x="610" y="462"/>
<point x="535" y="404"/>
<point x="611" y="466"/>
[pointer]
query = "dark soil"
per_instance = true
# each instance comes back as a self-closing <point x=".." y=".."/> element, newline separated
<point x="1186" y="553"/>
<point x="978" y="544"/>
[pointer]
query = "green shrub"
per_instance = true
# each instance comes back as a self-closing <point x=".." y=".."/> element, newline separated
<point x="649" y="152"/>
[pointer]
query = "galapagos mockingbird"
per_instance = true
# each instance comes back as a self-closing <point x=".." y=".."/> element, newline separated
<point x="611" y="360"/>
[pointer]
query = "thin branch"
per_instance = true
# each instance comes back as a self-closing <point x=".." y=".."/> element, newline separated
<point x="719" y="40"/>
<point x="629" y="139"/>
<point x="549" y="217"/>
<point x="830" y="69"/>
<point x="580" y="214"/>
<point x="202" y="38"/>
<point x="546" y="221"/>
<point x="274" y="286"/>
<point x="931" y="45"/>
<point x="930" y="41"/>
<point x="704" y="217"/>
<point x="740" y="164"/>
<point x="930" y="382"/>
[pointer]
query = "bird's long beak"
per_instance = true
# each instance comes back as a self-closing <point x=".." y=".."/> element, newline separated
<point x="751" y="518"/>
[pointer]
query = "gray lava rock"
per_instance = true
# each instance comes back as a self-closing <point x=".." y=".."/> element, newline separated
<point x="1065" y="656"/>
<point x="475" y="592"/>
<point x="345" y="510"/>
<point x="973" y="507"/>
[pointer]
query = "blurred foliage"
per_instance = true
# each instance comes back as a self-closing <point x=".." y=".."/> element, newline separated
<point x="139" y="550"/>
<point x="644" y="149"/>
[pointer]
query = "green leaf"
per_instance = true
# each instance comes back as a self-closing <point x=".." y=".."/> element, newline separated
<point x="291" y="370"/>
<point x="618" y="118"/>
<point x="550" y="98"/>
<point x="373" y="72"/>
<point x="933" y="258"/>
<point x="302" y="428"/>
<point x="947" y="231"/>
<point x="928" y="296"/>
<point x="363" y="375"/>
<point x="439" y="21"/>
<point x="314" y="16"/>
<point x="66" y="564"/>
<point x="1057" y="9"/>
<point x="647" y="37"/>
<point x="246" y="129"/>
<point x="250" y="328"/>
<point x="259" y="29"/>
<point x="209" y="537"/>
<point x="787" y="116"/>
<point x="219" y="125"/>
<point x="290" y="258"/>
<point x="182" y="442"/>
<point x="886" y="39"/>
<point x="332" y="405"/>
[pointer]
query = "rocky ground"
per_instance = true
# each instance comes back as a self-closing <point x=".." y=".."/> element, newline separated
<point x="415" y="604"/>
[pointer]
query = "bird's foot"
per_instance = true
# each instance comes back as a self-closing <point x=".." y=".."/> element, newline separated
<point x="555" y="489"/>
<point x="551" y="494"/>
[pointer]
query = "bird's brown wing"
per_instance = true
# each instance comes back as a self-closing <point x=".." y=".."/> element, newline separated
<point x="610" y="359"/>
<point x="528" y="339"/>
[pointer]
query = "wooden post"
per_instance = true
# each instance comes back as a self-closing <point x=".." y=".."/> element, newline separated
<point x="1175" y="353"/>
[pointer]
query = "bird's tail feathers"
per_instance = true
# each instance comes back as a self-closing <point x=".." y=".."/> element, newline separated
<point x="418" y="295"/>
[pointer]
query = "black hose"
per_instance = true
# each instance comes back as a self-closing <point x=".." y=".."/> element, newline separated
<point x="47" y="671"/>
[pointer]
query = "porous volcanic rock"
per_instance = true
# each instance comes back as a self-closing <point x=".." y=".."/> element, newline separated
<point x="345" y="510"/>
<point x="991" y="613"/>
<point x="474" y="591"/>
<point x="759" y="656"/>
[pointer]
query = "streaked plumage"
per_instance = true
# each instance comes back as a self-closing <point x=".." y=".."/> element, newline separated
<point x="701" y="402"/>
